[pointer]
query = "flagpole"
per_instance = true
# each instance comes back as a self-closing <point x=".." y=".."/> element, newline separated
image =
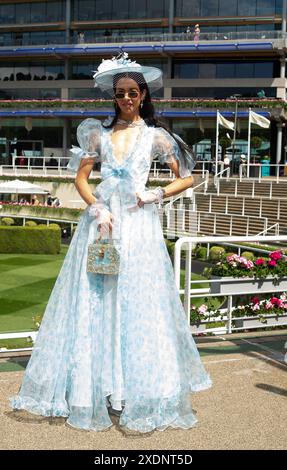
<point x="248" y="143"/>
<point x="216" y="144"/>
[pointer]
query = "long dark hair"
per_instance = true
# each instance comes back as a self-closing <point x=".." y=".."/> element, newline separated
<point x="147" y="111"/>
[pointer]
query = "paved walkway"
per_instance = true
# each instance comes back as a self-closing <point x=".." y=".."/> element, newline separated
<point x="245" y="408"/>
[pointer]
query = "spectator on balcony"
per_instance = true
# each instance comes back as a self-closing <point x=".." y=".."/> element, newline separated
<point x="188" y="32"/>
<point x="226" y="162"/>
<point x="243" y="162"/>
<point x="196" y="33"/>
<point x="35" y="200"/>
<point x="81" y="37"/>
<point x="56" y="202"/>
<point x="49" y="199"/>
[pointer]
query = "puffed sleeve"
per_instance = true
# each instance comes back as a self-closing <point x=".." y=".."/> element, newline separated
<point x="89" y="134"/>
<point x="167" y="150"/>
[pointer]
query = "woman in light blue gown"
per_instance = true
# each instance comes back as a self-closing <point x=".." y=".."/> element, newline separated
<point x="119" y="343"/>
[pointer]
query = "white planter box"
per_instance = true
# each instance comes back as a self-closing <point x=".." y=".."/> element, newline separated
<point x="198" y="328"/>
<point x="248" y="322"/>
<point x="246" y="285"/>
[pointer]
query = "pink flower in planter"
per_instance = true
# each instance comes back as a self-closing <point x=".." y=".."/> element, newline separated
<point x="275" y="255"/>
<point x="202" y="309"/>
<point x="249" y="264"/>
<point x="272" y="263"/>
<point x="256" y="307"/>
<point x="268" y="305"/>
<point x="276" y="301"/>
<point x="260" y="262"/>
<point x="232" y="259"/>
<point x="255" y="300"/>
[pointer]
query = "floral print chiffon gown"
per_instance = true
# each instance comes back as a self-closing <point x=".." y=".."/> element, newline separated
<point x="122" y="339"/>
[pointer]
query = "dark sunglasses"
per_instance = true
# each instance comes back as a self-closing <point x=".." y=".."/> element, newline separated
<point x="131" y="94"/>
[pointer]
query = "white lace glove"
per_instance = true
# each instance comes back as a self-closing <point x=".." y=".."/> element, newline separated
<point x="103" y="216"/>
<point x="150" y="196"/>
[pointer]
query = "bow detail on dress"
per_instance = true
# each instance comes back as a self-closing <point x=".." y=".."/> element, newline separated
<point x="113" y="177"/>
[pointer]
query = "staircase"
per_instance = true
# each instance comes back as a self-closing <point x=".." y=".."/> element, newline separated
<point x="250" y="188"/>
<point x="248" y="213"/>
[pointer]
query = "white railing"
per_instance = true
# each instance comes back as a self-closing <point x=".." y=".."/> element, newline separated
<point x="18" y="335"/>
<point x="181" y="221"/>
<point x="219" y="175"/>
<point x="188" y="243"/>
<point x="229" y="201"/>
<point x="154" y="37"/>
<point x="208" y="165"/>
<point x="274" y="227"/>
<point x="243" y="172"/>
<point x="47" y="219"/>
<point x="252" y="182"/>
<point x="187" y="193"/>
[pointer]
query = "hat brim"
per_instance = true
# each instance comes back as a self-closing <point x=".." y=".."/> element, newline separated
<point x="152" y="76"/>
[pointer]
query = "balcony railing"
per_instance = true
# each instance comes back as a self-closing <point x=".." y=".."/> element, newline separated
<point x="135" y="38"/>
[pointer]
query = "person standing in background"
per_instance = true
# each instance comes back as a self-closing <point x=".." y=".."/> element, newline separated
<point x="196" y="32"/>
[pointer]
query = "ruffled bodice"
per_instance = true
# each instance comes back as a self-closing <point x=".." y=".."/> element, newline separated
<point x="131" y="175"/>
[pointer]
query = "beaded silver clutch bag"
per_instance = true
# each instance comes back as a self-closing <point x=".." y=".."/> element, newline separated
<point x="103" y="258"/>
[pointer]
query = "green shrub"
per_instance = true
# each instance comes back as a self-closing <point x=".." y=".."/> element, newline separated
<point x="7" y="221"/>
<point x="201" y="252"/>
<point x="248" y="255"/>
<point x="170" y="248"/>
<point x="25" y="239"/>
<point x="216" y="253"/>
<point x="42" y="225"/>
<point x="31" y="223"/>
<point x="53" y="225"/>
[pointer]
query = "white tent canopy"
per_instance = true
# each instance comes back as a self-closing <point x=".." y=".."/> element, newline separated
<point x="21" y="187"/>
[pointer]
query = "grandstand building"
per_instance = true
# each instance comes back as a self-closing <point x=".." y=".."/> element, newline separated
<point x="235" y="59"/>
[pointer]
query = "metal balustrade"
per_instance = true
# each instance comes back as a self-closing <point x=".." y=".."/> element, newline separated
<point x="154" y="37"/>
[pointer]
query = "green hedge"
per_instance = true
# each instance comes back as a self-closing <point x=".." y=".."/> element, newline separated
<point x="36" y="240"/>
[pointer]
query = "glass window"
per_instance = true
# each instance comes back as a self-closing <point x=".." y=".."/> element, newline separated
<point x="29" y="93"/>
<point x="278" y="8"/>
<point x="103" y="9"/>
<point x="228" y="7"/>
<point x="265" y="7"/>
<point x="85" y="93"/>
<point x="219" y="93"/>
<point x="120" y="9"/>
<point x="138" y="9"/>
<point x="263" y="69"/>
<point x="38" y="12"/>
<point x="7" y="71"/>
<point x="82" y="71"/>
<point x="206" y="70"/>
<point x="246" y="8"/>
<point x="7" y="14"/>
<point x="55" y="11"/>
<point x="187" y="8"/>
<point x="23" y="13"/>
<point x="225" y="70"/>
<point x="209" y="8"/>
<point x="185" y="70"/>
<point x="85" y="10"/>
<point x="156" y="8"/>
<point x="244" y="70"/>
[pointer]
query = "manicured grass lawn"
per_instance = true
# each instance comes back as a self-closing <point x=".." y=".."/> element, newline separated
<point x="26" y="284"/>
